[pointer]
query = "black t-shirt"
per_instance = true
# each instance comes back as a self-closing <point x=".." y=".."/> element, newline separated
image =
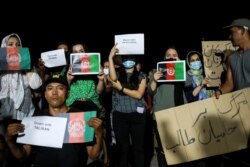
<point x="70" y="155"/>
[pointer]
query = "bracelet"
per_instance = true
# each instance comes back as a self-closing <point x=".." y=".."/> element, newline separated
<point x="121" y="90"/>
<point x="219" y="90"/>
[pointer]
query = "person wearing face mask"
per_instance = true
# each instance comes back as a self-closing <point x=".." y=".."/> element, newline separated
<point x="165" y="95"/>
<point x="128" y="109"/>
<point x="199" y="82"/>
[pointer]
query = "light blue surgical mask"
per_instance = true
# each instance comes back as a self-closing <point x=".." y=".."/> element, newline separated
<point x="195" y="65"/>
<point x="106" y="71"/>
<point x="128" y="63"/>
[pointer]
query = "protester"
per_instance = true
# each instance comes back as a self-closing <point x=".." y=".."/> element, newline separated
<point x="70" y="155"/>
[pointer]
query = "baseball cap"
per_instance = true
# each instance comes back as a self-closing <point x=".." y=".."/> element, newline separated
<point x="243" y="22"/>
<point x="56" y="78"/>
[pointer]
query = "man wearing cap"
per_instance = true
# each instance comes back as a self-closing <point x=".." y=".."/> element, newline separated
<point x="56" y="92"/>
<point x="238" y="74"/>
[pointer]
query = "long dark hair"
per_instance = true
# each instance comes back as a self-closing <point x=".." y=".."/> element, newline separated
<point x="130" y="81"/>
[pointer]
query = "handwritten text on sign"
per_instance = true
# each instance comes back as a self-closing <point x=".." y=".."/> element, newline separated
<point x="205" y="128"/>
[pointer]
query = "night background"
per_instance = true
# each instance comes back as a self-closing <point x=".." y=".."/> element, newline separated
<point x="162" y="25"/>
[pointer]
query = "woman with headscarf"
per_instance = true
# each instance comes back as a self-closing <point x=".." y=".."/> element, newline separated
<point x="15" y="87"/>
<point x="199" y="82"/>
<point x="15" y="95"/>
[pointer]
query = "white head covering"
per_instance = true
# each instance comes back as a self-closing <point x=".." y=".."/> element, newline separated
<point x="12" y="90"/>
<point x="5" y="40"/>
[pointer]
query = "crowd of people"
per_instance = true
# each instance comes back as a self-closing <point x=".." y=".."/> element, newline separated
<point x="124" y="97"/>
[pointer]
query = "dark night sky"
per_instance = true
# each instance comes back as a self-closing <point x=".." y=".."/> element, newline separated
<point x="161" y="27"/>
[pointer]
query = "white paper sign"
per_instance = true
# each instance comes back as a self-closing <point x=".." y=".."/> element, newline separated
<point x="43" y="131"/>
<point x="54" y="58"/>
<point x="130" y="44"/>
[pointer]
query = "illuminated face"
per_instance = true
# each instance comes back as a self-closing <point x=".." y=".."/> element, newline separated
<point x="194" y="58"/>
<point x="63" y="46"/>
<point x="236" y="35"/>
<point x="56" y="94"/>
<point x="106" y="64"/>
<point x="171" y="53"/>
<point x="13" y="42"/>
<point x="78" y="48"/>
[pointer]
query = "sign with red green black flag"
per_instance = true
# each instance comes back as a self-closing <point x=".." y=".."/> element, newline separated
<point x="172" y="71"/>
<point x="85" y="63"/>
<point x="77" y="128"/>
<point x="14" y="59"/>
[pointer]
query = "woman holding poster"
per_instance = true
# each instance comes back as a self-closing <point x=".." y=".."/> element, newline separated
<point x="166" y="95"/>
<point x="15" y="87"/>
<point x="129" y="109"/>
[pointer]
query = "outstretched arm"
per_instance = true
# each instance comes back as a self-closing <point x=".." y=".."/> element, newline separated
<point x="112" y="72"/>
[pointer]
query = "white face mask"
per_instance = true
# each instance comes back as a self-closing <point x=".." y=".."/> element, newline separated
<point x="35" y="81"/>
<point x="106" y="71"/>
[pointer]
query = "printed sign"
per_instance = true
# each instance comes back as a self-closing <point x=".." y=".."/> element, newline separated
<point x="13" y="59"/>
<point x="130" y="44"/>
<point x="77" y="128"/>
<point x="85" y="63"/>
<point x="172" y="71"/>
<point x="54" y="58"/>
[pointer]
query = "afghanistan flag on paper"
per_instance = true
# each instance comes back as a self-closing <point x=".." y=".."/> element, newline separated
<point x="77" y="128"/>
<point x="14" y="59"/>
<point x="85" y="63"/>
<point x="172" y="70"/>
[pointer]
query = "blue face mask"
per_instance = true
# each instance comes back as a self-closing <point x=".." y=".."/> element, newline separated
<point x="128" y="63"/>
<point x="196" y="65"/>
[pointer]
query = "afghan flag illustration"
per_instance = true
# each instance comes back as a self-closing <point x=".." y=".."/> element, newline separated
<point x="172" y="70"/>
<point x="85" y="63"/>
<point x="77" y="128"/>
<point x="13" y="59"/>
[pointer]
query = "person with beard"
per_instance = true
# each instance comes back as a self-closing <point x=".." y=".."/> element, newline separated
<point x="238" y="75"/>
<point x="165" y="95"/>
